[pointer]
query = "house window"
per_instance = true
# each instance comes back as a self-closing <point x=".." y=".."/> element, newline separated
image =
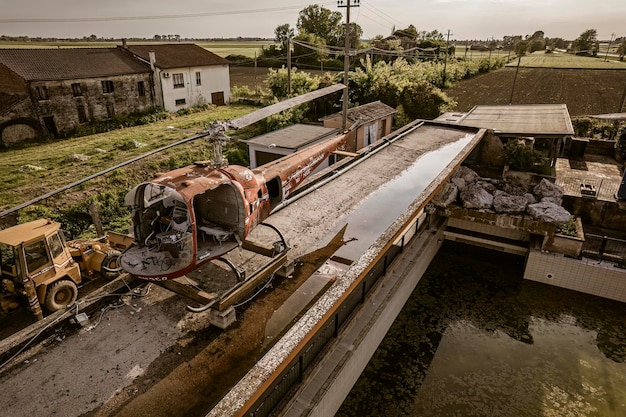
<point x="180" y="101"/>
<point x="198" y="78"/>
<point x="179" y="81"/>
<point x="107" y="86"/>
<point x="141" y="88"/>
<point x="76" y="90"/>
<point x="42" y="92"/>
<point x="82" y="115"/>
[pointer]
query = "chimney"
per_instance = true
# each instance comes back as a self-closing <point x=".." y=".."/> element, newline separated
<point x="124" y="43"/>
<point x="152" y="56"/>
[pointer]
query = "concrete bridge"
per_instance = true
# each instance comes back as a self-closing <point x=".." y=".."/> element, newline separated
<point x="392" y="237"/>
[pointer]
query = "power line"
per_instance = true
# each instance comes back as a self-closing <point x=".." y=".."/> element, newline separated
<point x="153" y="17"/>
<point x="394" y="21"/>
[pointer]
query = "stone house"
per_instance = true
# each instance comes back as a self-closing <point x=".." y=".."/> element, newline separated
<point x="50" y="91"/>
<point x="185" y="75"/>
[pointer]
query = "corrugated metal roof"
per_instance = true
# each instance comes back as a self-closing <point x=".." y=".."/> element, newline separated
<point x="70" y="63"/>
<point x="178" y="55"/>
<point x="293" y="137"/>
<point x="366" y="112"/>
<point x="527" y="120"/>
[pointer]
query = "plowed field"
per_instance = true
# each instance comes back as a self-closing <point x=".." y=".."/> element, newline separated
<point x="584" y="91"/>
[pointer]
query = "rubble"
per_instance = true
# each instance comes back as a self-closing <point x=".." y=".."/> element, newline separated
<point x="476" y="197"/>
<point x="549" y="189"/>
<point x="509" y="204"/>
<point x="549" y="212"/>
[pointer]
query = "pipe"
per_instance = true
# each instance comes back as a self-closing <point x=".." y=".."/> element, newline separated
<point x="342" y="171"/>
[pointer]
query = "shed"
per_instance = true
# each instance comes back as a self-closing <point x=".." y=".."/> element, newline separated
<point x="274" y="145"/>
<point x="549" y="125"/>
<point x="374" y="122"/>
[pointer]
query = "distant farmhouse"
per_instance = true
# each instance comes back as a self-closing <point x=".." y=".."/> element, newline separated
<point x="51" y="91"/>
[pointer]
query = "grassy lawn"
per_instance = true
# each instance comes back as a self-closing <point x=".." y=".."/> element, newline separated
<point x="561" y="60"/>
<point x="104" y="150"/>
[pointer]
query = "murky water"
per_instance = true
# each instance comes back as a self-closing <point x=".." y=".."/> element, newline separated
<point x="476" y="340"/>
<point x="383" y="207"/>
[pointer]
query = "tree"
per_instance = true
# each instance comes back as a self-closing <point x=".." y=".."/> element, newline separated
<point x="320" y="21"/>
<point x="422" y="100"/>
<point x="355" y="36"/>
<point x="521" y="48"/>
<point x="306" y="55"/>
<point x="621" y="50"/>
<point x="537" y="45"/>
<point x="410" y="32"/>
<point x="586" y="42"/>
<point x="282" y="35"/>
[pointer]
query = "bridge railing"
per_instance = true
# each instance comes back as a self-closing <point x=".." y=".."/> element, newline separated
<point x="605" y="248"/>
<point x="296" y="370"/>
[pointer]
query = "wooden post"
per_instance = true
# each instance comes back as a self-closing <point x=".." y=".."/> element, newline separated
<point x="95" y="217"/>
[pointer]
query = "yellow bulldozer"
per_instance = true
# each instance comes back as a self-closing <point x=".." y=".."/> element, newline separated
<point x="40" y="266"/>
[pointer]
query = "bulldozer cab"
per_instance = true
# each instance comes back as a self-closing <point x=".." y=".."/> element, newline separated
<point x="36" y="264"/>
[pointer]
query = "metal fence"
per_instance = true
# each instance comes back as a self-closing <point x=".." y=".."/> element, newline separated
<point x="605" y="248"/>
<point x="593" y="188"/>
<point x="296" y="370"/>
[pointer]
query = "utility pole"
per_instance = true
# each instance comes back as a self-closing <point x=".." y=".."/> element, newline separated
<point x="256" y="87"/>
<point x="445" y="62"/>
<point x="289" y="67"/>
<point x="609" y="47"/>
<point x="346" y="58"/>
<point x="519" y="59"/>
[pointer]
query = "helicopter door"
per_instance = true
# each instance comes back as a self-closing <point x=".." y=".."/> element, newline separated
<point x="275" y="190"/>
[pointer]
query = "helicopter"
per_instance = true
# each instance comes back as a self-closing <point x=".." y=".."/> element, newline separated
<point x="187" y="217"/>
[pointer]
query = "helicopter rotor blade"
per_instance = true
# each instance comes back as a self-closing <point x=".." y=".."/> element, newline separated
<point x="258" y="115"/>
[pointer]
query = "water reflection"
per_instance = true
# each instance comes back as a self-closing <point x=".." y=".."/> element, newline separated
<point x="476" y="340"/>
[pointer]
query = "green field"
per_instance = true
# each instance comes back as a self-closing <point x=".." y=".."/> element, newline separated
<point x="562" y="60"/>
<point x="221" y="48"/>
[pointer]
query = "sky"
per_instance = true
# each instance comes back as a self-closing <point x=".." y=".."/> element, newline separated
<point x="466" y="19"/>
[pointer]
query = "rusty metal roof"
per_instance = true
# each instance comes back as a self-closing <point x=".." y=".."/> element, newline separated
<point x="70" y="63"/>
<point x="365" y="113"/>
<point x="177" y="55"/>
<point x="524" y="119"/>
<point x="293" y="137"/>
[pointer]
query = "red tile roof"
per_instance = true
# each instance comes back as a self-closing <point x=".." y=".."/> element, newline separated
<point x="70" y="63"/>
<point x="178" y="55"/>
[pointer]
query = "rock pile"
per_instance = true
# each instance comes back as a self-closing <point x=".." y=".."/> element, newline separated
<point x="473" y="192"/>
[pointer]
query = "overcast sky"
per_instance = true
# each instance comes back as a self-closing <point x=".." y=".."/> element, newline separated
<point x="466" y="19"/>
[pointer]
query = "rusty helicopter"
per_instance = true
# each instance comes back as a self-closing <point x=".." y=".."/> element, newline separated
<point x="187" y="217"/>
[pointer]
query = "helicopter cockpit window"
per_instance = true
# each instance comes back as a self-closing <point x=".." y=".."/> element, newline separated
<point x="36" y="255"/>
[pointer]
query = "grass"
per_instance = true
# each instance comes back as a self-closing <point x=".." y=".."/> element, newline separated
<point x="221" y="48"/>
<point x="105" y="150"/>
<point x="561" y="60"/>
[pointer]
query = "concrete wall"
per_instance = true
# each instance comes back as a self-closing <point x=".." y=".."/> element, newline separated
<point x="214" y="79"/>
<point x="587" y="276"/>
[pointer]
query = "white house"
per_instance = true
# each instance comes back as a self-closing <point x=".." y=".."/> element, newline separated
<point x="185" y="74"/>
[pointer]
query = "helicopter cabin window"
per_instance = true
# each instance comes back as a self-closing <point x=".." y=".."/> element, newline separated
<point x="36" y="255"/>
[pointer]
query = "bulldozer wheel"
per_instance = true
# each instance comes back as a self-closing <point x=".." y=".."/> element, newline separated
<point x="60" y="294"/>
<point x="110" y="267"/>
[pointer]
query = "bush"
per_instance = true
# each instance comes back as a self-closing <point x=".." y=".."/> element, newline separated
<point x="520" y="157"/>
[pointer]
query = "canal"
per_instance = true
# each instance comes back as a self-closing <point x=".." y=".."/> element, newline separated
<point x="475" y="339"/>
